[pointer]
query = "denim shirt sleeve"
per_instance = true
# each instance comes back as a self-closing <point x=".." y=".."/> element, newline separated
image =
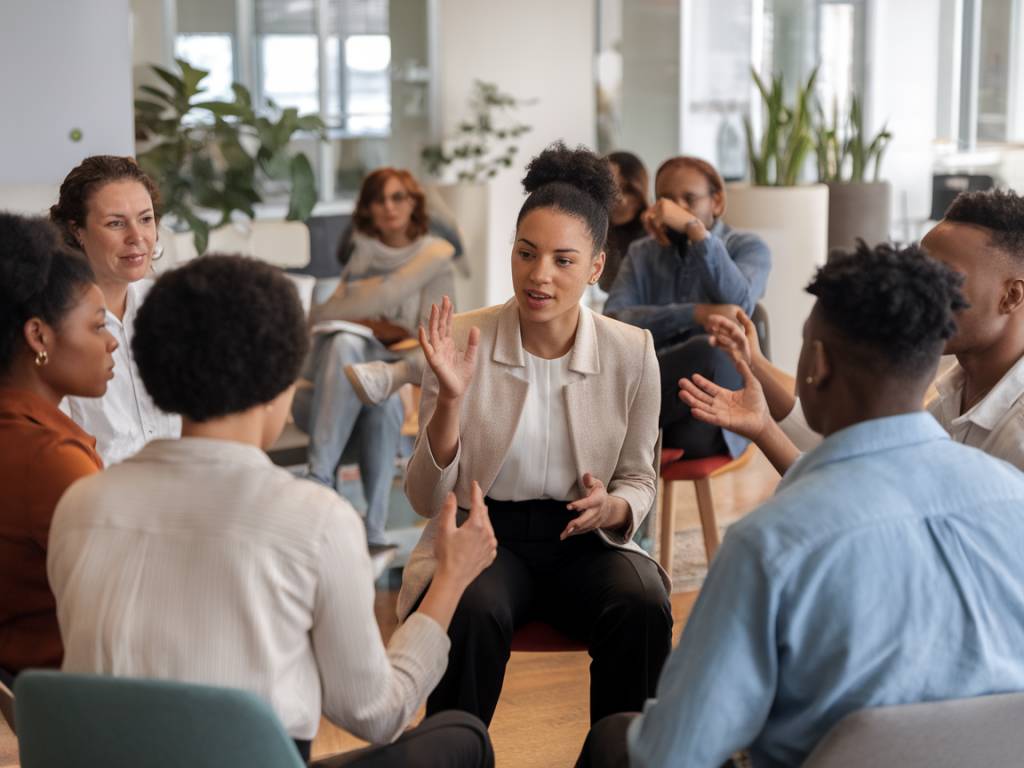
<point x="717" y="687"/>
<point x="629" y="299"/>
<point x="735" y="269"/>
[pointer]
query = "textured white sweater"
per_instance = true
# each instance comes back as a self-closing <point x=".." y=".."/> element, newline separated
<point x="200" y="561"/>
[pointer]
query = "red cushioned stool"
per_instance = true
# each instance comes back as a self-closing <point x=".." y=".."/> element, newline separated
<point x="540" y="637"/>
<point x="674" y="468"/>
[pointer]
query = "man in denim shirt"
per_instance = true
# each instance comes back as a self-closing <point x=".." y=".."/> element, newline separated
<point x="885" y="570"/>
<point x="669" y="283"/>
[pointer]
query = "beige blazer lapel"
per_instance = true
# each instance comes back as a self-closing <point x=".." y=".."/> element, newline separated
<point x="585" y="427"/>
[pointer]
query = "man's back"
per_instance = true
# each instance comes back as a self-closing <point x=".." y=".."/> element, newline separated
<point x="887" y="569"/>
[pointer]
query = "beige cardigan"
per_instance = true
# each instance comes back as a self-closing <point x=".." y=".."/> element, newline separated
<point x="612" y="404"/>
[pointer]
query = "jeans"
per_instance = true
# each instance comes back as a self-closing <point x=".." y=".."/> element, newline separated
<point x="341" y="428"/>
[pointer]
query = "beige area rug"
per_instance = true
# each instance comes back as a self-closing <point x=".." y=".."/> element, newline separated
<point x="689" y="564"/>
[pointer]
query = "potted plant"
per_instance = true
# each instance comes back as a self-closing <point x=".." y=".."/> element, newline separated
<point x="858" y="205"/>
<point x="791" y="217"/>
<point x="484" y="144"/>
<point x="213" y="158"/>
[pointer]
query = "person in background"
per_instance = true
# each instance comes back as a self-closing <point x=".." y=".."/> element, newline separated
<point x="885" y="570"/>
<point x="394" y="274"/>
<point x="108" y="209"/>
<point x="53" y="343"/>
<point x="980" y="399"/>
<point x="671" y="282"/>
<point x="557" y="421"/>
<point x="625" y="224"/>
<point x="198" y="560"/>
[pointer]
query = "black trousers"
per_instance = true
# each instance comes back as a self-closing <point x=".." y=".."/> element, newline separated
<point x="447" y="740"/>
<point x="679" y="428"/>
<point x="613" y="601"/>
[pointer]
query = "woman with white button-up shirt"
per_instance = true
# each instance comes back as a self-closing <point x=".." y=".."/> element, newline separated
<point x="108" y="209"/>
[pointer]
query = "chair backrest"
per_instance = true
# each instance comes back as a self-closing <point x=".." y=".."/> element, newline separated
<point x="75" y="721"/>
<point x="944" y="734"/>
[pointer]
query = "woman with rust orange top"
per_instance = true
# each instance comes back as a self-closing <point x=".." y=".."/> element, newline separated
<point x="54" y="342"/>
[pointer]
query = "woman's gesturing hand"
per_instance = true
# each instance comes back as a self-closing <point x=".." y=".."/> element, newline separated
<point x="464" y="551"/>
<point x="743" y="411"/>
<point x="454" y="370"/>
<point x="597" y="508"/>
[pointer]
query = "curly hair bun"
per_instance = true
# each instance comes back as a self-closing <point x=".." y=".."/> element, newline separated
<point x="578" y="168"/>
<point x="26" y="253"/>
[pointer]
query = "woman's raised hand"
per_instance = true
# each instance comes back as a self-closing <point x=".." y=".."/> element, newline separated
<point x="735" y="334"/>
<point x="454" y="370"/>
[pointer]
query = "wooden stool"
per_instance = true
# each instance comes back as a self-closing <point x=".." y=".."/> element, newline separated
<point x="699" y="472"/>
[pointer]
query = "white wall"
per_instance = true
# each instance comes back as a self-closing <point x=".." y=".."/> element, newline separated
<point x="65" y="65"/>
<point x="532" y="49"/>
<point x="904" y="55"/>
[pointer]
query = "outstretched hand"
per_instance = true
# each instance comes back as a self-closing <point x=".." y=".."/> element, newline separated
<point x="743" y="411"/>
<point x="454" y="370"/>
<point x="735" y="334"/>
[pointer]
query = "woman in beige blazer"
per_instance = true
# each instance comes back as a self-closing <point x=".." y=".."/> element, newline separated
<point x="553" y="410"/>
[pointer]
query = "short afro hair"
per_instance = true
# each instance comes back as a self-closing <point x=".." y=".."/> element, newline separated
<point x="220" y="335"/>
<point x="39" y="277"/>
<point x="575" y="181"/>
<point x="1001" y="212"/>
<point x="895" y="307"/>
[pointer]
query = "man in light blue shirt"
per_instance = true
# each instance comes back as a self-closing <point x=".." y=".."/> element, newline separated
<point x="887" y="569"/>
<point x="671" y="282"/>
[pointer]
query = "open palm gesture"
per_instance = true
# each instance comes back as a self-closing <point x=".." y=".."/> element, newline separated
<point x="453" y="369"/>
<point x="743" y="411"/>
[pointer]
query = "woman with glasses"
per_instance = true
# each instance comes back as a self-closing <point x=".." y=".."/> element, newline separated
<point x="625" y="223"/>
<point x="396" y="271"/>
<point x="691" y="267"/>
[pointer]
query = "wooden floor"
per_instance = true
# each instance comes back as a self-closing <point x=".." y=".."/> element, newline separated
<point x="542" y="717"/>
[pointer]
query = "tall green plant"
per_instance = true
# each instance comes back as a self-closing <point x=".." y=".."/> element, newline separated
<point x="196" y="150"/>
<point x="788" y="136"/>
<point x="843" y="150"/>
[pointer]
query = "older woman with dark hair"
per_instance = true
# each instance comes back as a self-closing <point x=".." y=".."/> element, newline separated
<point x="53" y="342"/>
<point x="396" y="271"/>
<point x="108" y="210"/>
<point x="198" y="560"/>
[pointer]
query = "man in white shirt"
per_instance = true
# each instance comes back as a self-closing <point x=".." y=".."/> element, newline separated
<point x="981" y="398"/>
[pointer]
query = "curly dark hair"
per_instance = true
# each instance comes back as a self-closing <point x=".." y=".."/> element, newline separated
<point x="39" y="277"/>
<point x="218" y="336"/>
<point x="895" y="307"/>
<point x="82" y="182"/>
<point x="575" y="181"/>
<point x="1001" y="212"/>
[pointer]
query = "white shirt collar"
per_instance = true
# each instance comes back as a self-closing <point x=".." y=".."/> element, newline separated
<point x="988" y="411"/>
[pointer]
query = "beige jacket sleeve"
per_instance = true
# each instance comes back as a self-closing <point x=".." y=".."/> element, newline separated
<point x="635" y="478"/>
<point x="426" y="483"/>
<point x="364" y="298"/>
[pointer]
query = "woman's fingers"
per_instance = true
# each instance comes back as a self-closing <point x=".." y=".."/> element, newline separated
<point x="582" y="524"/>
<point x="696" y="393"/>
<point x="706" y="385"/>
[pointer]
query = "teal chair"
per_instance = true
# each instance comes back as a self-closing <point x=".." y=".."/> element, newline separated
<point x="72" y="721"/>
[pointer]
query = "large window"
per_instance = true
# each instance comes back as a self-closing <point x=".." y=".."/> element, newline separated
<point x="335" y="58"/>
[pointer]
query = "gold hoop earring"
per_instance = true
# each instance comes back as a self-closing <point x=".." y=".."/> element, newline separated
<point x="42" y="358"/>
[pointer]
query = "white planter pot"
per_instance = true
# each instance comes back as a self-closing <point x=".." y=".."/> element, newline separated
<point x="794" y="223"/>
<point x="468" y="205"/>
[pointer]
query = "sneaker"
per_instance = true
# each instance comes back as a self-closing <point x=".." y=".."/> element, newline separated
<point x="372" y="381"/>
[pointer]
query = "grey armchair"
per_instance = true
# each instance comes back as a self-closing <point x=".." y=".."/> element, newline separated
<point x="983" y="731"/>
